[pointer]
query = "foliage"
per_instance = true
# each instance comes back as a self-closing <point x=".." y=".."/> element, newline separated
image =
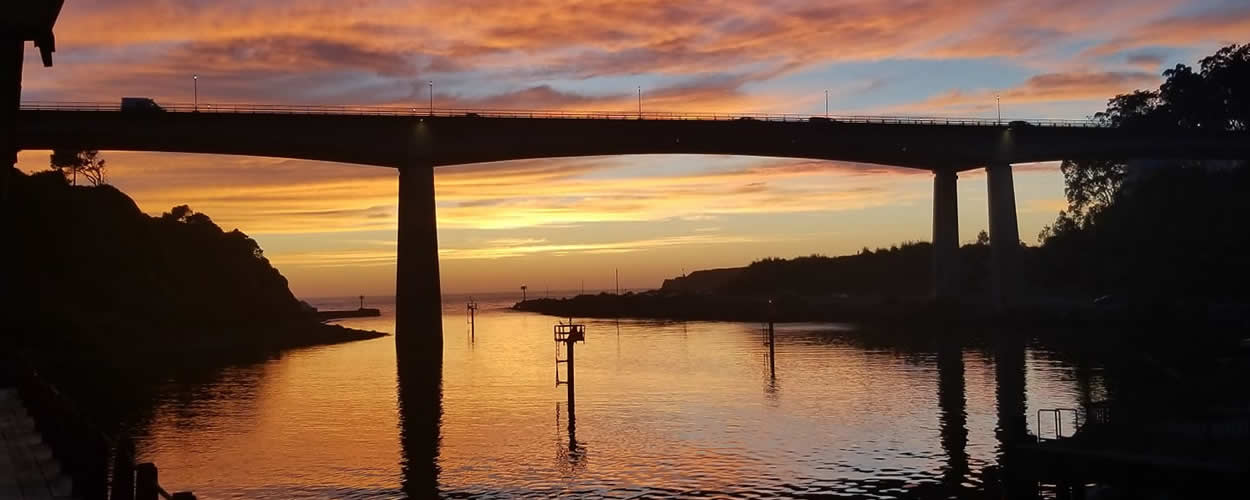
<point x="1160" y="229"/>
<point x="73" y="162"/>
<point x="177" y="272"/>
<point x="1216" y="97"/>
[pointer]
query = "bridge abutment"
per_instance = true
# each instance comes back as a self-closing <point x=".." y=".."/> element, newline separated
<point x="945" y="235"/>
<point x="1004" y="233"/>
<point x="418" y="300"/>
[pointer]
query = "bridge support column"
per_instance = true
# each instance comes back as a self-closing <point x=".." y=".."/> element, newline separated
<point x="11" y="48"/>
<point x="945" y="235"/>
<point x="418" y="300"/>
<point x="10" y="100"/>
<point x="1004" y="233"/>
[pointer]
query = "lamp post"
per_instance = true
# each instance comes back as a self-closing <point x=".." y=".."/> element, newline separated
<point x="640" y="102"/>
<point x="826" y="103"/>
<point x="998" y="102"/>
<point x="431" y="98"/>
<point x="195" y="92"/>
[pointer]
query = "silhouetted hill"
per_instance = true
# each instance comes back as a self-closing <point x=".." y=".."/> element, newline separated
<point x="93" y="271"/>
<point x="899" y="271"/>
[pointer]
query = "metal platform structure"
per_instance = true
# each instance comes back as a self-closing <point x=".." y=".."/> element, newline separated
<point x="567" y="334"/>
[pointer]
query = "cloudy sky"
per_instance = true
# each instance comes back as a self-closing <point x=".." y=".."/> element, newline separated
<point x="330" y="228"/>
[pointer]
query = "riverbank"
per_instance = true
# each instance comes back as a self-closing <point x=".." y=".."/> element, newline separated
<point x="888" y="310"/>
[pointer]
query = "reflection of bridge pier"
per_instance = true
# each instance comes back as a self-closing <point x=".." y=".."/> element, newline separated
<point x="952" y="406"/>
<point x="1012" y="428"/>
<point x="420" y="415"/>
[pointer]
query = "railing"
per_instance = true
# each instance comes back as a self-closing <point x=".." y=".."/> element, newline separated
<point x="1056" y="414"/>
<point x="549" y="114"/>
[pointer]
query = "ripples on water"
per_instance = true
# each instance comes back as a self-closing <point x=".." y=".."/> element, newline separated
<point x="663" y="409"/>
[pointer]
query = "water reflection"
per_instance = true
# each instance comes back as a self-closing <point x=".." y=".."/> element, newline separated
<point x="954" y="417"/>
<point x="420" y="387"/>
<point x="570" y="455"/>
<point x="1012" y="428"/>
<point x="670" y="409"/>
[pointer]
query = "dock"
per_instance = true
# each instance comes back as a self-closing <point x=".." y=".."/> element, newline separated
<point x="363" y="312"/>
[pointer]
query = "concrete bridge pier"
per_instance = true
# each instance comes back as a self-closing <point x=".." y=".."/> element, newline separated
<point x="418" y="302"/>
<point x="1004" y="233"/>
<point x="945" y="235"/>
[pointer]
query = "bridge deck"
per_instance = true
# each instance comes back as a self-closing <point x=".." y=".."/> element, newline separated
<point x="566" y="114"/>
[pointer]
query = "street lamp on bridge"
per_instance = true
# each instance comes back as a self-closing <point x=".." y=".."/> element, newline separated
<point x="431" y="98"/>
<point x="195" y="93"/>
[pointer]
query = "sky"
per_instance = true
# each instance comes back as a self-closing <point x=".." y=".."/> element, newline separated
<point x="565" y="223"/>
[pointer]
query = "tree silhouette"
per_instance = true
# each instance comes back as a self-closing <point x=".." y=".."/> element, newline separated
<point x="1215" y="97"/>
<point x="983" y="238"/>
<point x="72" y="162"/>
<point x="1160" y="230"/>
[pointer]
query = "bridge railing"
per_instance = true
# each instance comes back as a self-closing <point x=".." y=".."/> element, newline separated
<point x="561" y="114"/>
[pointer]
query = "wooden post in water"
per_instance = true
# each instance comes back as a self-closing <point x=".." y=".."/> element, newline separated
<point x="472" y="320"/>
<point x="572" y="403"/>
<point x="772" y="350"/>
<point x="123" y="471"/>
<point x="772" y="343"/>
<point x="146" y="484"/>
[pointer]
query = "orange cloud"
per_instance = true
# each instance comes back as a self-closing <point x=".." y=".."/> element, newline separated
<point x="1050" y="87"/>
<point x="505" y="54"/>
<point x="269" y="196"/>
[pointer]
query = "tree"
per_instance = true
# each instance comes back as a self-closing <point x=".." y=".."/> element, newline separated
<point x="1090" y="185"/>
<point x="1228" y="72"/>
<point x="1174" y="229"/>
<point x="71" y="162"/>
<point x="1135" y="109"/>
<point x="983" y="238"/>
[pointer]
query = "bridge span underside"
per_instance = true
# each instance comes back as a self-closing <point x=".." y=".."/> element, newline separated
<point x="417" y="144"/>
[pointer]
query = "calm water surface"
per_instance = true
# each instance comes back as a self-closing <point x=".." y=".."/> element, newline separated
<point x="663" y="409"/>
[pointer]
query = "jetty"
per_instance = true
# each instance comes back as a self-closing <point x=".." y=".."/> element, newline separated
<point x="360" y="312"/>
<point x="363" y="312"/>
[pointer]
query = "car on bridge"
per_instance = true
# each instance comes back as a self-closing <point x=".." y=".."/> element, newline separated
<point x="141" y="104"/>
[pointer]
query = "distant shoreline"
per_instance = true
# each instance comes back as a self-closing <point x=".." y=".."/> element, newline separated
<point x="879" y="311"/>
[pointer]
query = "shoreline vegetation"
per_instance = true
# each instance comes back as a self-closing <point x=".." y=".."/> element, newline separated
<point x="105" y="288"/>
<point x="883" y="311"/>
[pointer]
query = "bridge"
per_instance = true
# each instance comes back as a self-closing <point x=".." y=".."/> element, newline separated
<point x="416" y="140"/>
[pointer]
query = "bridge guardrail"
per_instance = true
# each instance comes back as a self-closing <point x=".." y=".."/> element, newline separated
<point x="561" y="114"/>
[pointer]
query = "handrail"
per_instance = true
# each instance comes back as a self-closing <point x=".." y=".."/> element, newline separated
<point x="417" y="111"/>
<point x="1058" y="422"/>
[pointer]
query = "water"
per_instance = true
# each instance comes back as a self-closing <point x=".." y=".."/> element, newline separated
<point x="663" y="409"/>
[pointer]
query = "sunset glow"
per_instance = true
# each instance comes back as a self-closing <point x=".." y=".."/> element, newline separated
<point x="330" y="228"/>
